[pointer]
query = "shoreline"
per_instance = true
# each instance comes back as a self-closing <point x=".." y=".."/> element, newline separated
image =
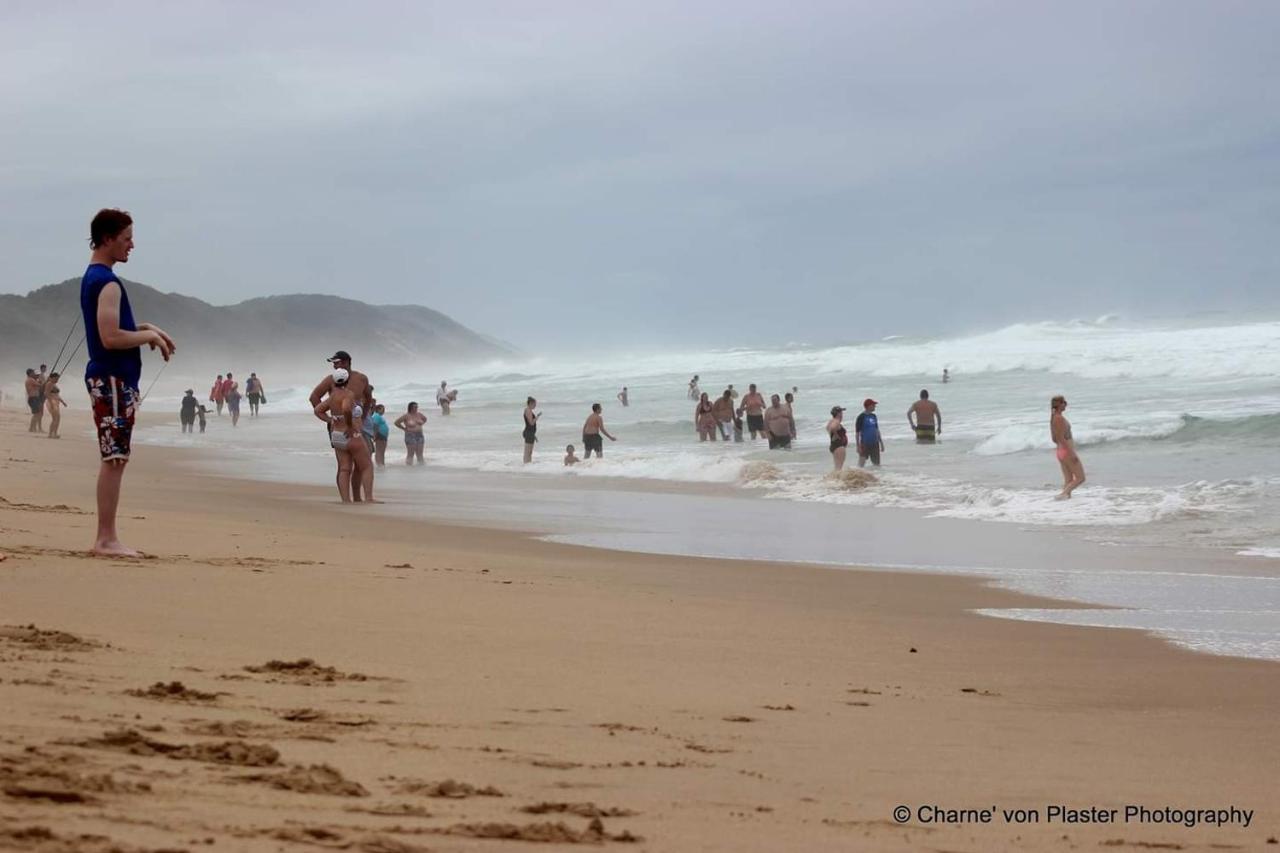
<point x="566" y="673"/>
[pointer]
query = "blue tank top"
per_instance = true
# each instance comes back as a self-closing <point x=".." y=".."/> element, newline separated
<point x="123" y="364"/>
<point x="870" y="431"/>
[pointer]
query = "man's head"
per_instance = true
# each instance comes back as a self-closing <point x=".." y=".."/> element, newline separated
<point x="44" y="368"/>
<point x="776" y="400"/>
<point x="727" y="395"/>
<point x="790" y="397"/>
<point x="924" y="395"/>
<point x="190" y="393"/>
<point x="443" y="383"/>
<point x="219" y="376"/>
<point x="228" y="374"/>
<point x="595" y="407"/>
<point x="341" y="358"/>
<point x="752" y="387"/>
<point x="54" y="376"/>
<point x="869" y="404"/>
<point x="31" y="371"/>
<point x="253" y="376"/>
<point x="413" y="407"/>
<point x="111" y="234"/>
<point x="569" y="450"/>
<point x="380" y="409"/>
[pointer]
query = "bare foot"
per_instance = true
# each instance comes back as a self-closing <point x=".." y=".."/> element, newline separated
<point x="113" y="548"/>
<point x="1063" y="496"/>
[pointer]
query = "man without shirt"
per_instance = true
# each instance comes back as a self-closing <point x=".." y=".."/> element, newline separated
<point x="357" y="385"/>
<point x="592" y="429"/>
<point x="753" y="405"/>
<point x="722" y="411"/>
<point x="777" y="419"/>
<point x="114" y="369"/>
<point x="925" y="418"/>
<point x="32" y="387"/>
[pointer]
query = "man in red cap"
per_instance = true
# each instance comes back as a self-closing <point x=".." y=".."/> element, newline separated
<point x="867" y="429"/>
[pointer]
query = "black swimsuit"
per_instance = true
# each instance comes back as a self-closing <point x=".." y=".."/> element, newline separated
<point x="839" y="438"/>
<point x="530" y="432"/>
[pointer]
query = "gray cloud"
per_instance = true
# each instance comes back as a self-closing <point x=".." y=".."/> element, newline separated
<point x="716" y="173"/>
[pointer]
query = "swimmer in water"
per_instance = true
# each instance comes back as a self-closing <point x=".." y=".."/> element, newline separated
<point x="1068" y="459"/>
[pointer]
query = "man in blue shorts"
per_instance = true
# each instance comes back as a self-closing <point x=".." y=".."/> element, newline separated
<point x="114" y="370"/>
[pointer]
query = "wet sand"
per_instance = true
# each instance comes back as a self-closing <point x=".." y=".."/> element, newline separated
<point x="472" y="689"/>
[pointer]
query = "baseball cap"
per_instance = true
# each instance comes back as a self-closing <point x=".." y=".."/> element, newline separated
<point x="835" y="410"/>
<point x="868" y="402"/>
<point x="340" y="355"/>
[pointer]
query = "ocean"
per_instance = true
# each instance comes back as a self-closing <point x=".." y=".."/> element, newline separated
<point x="1178" y="427"/>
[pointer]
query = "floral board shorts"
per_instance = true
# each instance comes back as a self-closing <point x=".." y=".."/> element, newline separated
<point x="114" y="409"/>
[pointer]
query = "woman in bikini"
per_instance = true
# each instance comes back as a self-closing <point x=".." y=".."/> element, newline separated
<point x="704" y="418"/>
<point x="53" y="400"/>
<point x="1068" y="459"/>
<point x="345" y="415"/>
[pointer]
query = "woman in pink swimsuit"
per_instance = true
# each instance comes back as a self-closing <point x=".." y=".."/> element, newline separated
<point x="1068" y="459"/>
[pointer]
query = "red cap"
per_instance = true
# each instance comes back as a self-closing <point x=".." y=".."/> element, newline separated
<point x="868" y="402"/>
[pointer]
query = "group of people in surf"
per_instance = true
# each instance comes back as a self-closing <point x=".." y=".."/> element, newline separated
<point x="44" y="395"/>
<point x="225" y="392"/>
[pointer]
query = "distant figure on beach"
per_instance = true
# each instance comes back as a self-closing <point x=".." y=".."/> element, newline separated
<point x="42" y="380"/>
<point x="789" y="401"/>
<point x="32" y="387"/>
<point x="231" y="394"/>
<point x="569" y="458"/>
<point x="357" y="385"/>
<point x="345" y="413"/>
<point x="1068" y="459"/>
<point x="215" y="394"/>
<point x="867" y="430"/>
<point x="778" y="424"/>
<point x="114" y="342"/>
<point x="623" y="397"/>
<point x="592" y="429"/>
<point x="381" y="432"/>
<point x="704" y="418"/>
<point x="722" y="408"/>
<point x="737" y="428"/>
<point x="530" y="433"/>
<point x="253" y="389"/>
<point x="445" y="397"/>
<point x="733" y="394"/>
<point x="839" y="437"/>
<point x="753" y="405"/>
<point x="54" y="403"/>
<point x="412" y="422"/>
<point x="946" y="376"/>
<point x="187" y="411"/>
<point x="693" y="387"/>
<point x="925" y="418"/>
<point x="202" y="413"/>
<point x="795" y="392"/>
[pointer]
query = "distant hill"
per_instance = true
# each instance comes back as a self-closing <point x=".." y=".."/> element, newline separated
<point x="294" y="330"/>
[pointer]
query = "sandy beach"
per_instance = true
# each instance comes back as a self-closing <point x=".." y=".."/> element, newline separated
<point x="284" y="673"/>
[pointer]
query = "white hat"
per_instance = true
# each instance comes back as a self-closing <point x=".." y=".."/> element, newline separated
<point x="340" y="376"/>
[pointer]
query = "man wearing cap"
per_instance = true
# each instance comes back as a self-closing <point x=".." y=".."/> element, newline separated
<point x="187" y="414"/>
<point x="357" y="384"/>
<point x="922" y="416"/>
<point x="867" y="430"/>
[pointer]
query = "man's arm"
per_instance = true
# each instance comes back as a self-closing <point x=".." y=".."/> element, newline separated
<point x="937" y="414"/>
<point x="114" y="337"/>
<point x="325" y="386"/>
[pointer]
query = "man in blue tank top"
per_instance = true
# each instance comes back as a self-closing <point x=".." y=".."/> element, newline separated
<point x="114" y="370"/>
<point x="867" y="429"/>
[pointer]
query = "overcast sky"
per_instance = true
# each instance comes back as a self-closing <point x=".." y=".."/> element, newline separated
<point x="713" y="173"/>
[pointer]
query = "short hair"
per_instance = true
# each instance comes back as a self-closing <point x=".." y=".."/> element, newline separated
<point x="413" y="406"/>
<point x="924" y="395"/>
<point x="595" y="407"/>
<point x="569" y="449"/>
<point x="107" y="224"/>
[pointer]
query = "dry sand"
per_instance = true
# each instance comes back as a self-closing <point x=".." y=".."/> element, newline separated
<point x="290" y="674"/>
